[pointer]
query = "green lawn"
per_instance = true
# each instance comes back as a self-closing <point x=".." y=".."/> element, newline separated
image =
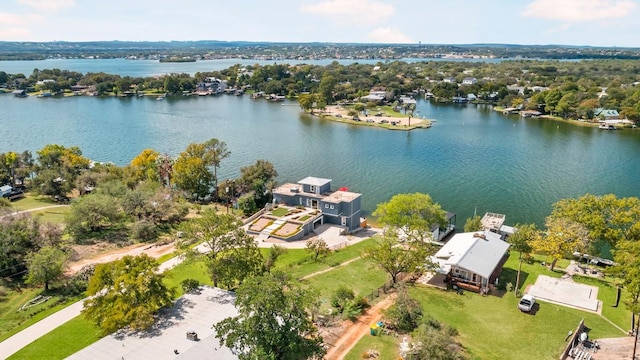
<point x="62" y="341"/>
<point x="31" y="202"/>
<point x="298" y="262"/>
<point x="492" y="327"/>
<point x="607" y="294"/>
<point x="383" y="344"/>
<point x="187" y="270"/>
<point x="54" y="215"/>
<point x="280" y="212"/>
<point x="13" y="320"/>
<point x="361" y="276"/>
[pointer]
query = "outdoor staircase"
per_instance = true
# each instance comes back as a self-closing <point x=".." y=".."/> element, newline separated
<point x="266" y="232"/>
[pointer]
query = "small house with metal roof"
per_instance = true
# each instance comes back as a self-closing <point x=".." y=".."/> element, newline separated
<point x="472" y="260"/>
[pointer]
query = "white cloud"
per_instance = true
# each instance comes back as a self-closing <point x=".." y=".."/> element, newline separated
<point x="579" y="10"/>
<point x="48" y="5"/>
<point x="389" y="35"/>
<point x="344" y="12"/>
<point x="17" y="19"/>
<point x="14" y="34"/>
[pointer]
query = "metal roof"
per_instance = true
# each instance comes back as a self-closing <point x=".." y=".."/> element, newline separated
<point x="192" y="312"/>
<point x="477" y="252"/>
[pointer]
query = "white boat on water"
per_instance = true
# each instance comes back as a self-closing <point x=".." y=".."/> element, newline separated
<point x="606" y="127"/>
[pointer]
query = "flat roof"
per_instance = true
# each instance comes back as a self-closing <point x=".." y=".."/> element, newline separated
<point x="340" y="196"/>
<point x="492" y="221"/>
<point x="290" y="189"/>
<point x="192" y="312"/>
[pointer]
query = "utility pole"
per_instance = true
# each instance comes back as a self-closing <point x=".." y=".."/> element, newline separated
<point x="635" y="343"/>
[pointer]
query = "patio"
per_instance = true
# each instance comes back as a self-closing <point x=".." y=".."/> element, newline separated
<point x="567" y="293"/>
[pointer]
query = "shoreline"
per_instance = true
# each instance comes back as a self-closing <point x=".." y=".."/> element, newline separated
<point x="574" y="122"/>
<point x="337" y="113"/>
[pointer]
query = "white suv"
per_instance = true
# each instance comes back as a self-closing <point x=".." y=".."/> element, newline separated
<point x="526" y="303"/>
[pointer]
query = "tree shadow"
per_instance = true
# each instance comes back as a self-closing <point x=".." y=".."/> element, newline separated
<point x="222" y="298"/>
<point x="509" y="275"/>
<point x="166" y="318"/>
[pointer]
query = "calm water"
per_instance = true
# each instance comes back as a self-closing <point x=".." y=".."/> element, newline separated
<point x="145" y="68"/>
<point x="472" y="158"/>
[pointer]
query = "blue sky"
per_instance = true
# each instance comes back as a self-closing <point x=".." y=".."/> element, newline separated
<point x="567" y="22"/>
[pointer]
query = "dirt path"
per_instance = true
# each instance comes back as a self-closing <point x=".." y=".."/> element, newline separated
<point x="329" y="269"/>
<point x="152" y="250"/>
<point x="358" y="329"/>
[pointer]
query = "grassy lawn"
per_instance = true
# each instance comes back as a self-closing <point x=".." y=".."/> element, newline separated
<point x="383" y="344"/>
<point x="187" y="270"/>
<point x="607" y="294"/>
<point x="31" y="202"/>
<point x="360" y="276"/>
<point x="298" y="262"/>
<point x="13" y="320"/>
<point x="280" y="212"/>
<point x="492" y="327"/>
<point x="62" y="341"/>
<point x="54" y="215"/>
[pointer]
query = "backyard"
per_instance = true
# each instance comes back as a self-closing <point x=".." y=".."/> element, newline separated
<point x="492" y="327"/>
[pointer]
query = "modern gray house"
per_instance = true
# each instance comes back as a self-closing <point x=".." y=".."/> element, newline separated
<point x="341" y="207"/>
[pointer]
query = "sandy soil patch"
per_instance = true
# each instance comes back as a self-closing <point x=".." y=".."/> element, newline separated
<point x="260" y="224"/>
<point x="287" y="229"/>
<point x="334" y="110"/>
<point x="103" y="253"/>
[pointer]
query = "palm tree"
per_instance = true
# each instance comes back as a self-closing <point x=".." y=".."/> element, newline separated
<point x="215" y="152"/>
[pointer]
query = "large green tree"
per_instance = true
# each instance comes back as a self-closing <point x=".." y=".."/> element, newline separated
<point x="561" y="238"/>
<point x="274" y="321"/>
<point x="411" y="215"/>
<point x="607" y="218"/>
<point x="627" y="257"/>
<point x="126" y="293"/>
<point x="230" y="254"/>
<point x="215" y="152"/>
<point x="191" y="172"/>
<point x="46" y="265"/>
<point x="91" y="213"/>
<point x="394" y="257"/>
<point x="521" y="241"/>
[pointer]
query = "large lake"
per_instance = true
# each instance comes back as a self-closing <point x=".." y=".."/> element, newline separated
<point x="472" y="159"/>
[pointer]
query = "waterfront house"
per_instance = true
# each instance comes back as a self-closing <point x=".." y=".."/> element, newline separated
<point x="449" y="80"/>
<point x="19" y="93"/>
<point x="472" y="260"/>
<point x="606" y="114"/>
<point x="341" y="207"/>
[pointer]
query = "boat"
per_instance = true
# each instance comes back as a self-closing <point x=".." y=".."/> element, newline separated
<point x="606" y="127"/>
<point x="160" y="98"/>
<point x="44" y="95"/>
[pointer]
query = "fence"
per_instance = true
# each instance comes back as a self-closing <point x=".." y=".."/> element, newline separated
<point x="386" y="287"/>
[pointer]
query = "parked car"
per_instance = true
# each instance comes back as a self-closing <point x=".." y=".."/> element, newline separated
<point x="526" y="303"/>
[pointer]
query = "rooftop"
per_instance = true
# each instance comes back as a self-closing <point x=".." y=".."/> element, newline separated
<point x="192" y="312"/>
<point x="491" y="221"/>
<point x="315" y="181"/>
<point x="476" y="252"/>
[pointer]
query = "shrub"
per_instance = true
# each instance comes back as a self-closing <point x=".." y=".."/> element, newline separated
<point x="509" y="287"/>
<point x="189" y="285"/>
<point x="406" y="313"/>
<point x="341" y="297"/>
<point x="144" y="230"/>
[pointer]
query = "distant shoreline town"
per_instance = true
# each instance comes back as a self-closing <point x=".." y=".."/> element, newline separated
<point x="208" y="50"/>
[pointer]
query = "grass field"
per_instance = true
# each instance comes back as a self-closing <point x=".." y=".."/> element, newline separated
<point x="361" y="276"/>
<point x="62" y="341"/>
<point x="492" y="327"/>
<point x="31" y="202"/>
<point x="12" y="320"/>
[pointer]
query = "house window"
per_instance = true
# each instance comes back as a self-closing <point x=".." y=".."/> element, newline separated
<point x="312" y="189"/>
<point x="332" y="206"/>
<point x="344" y="221"/>
<point x="326" y="206"/>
